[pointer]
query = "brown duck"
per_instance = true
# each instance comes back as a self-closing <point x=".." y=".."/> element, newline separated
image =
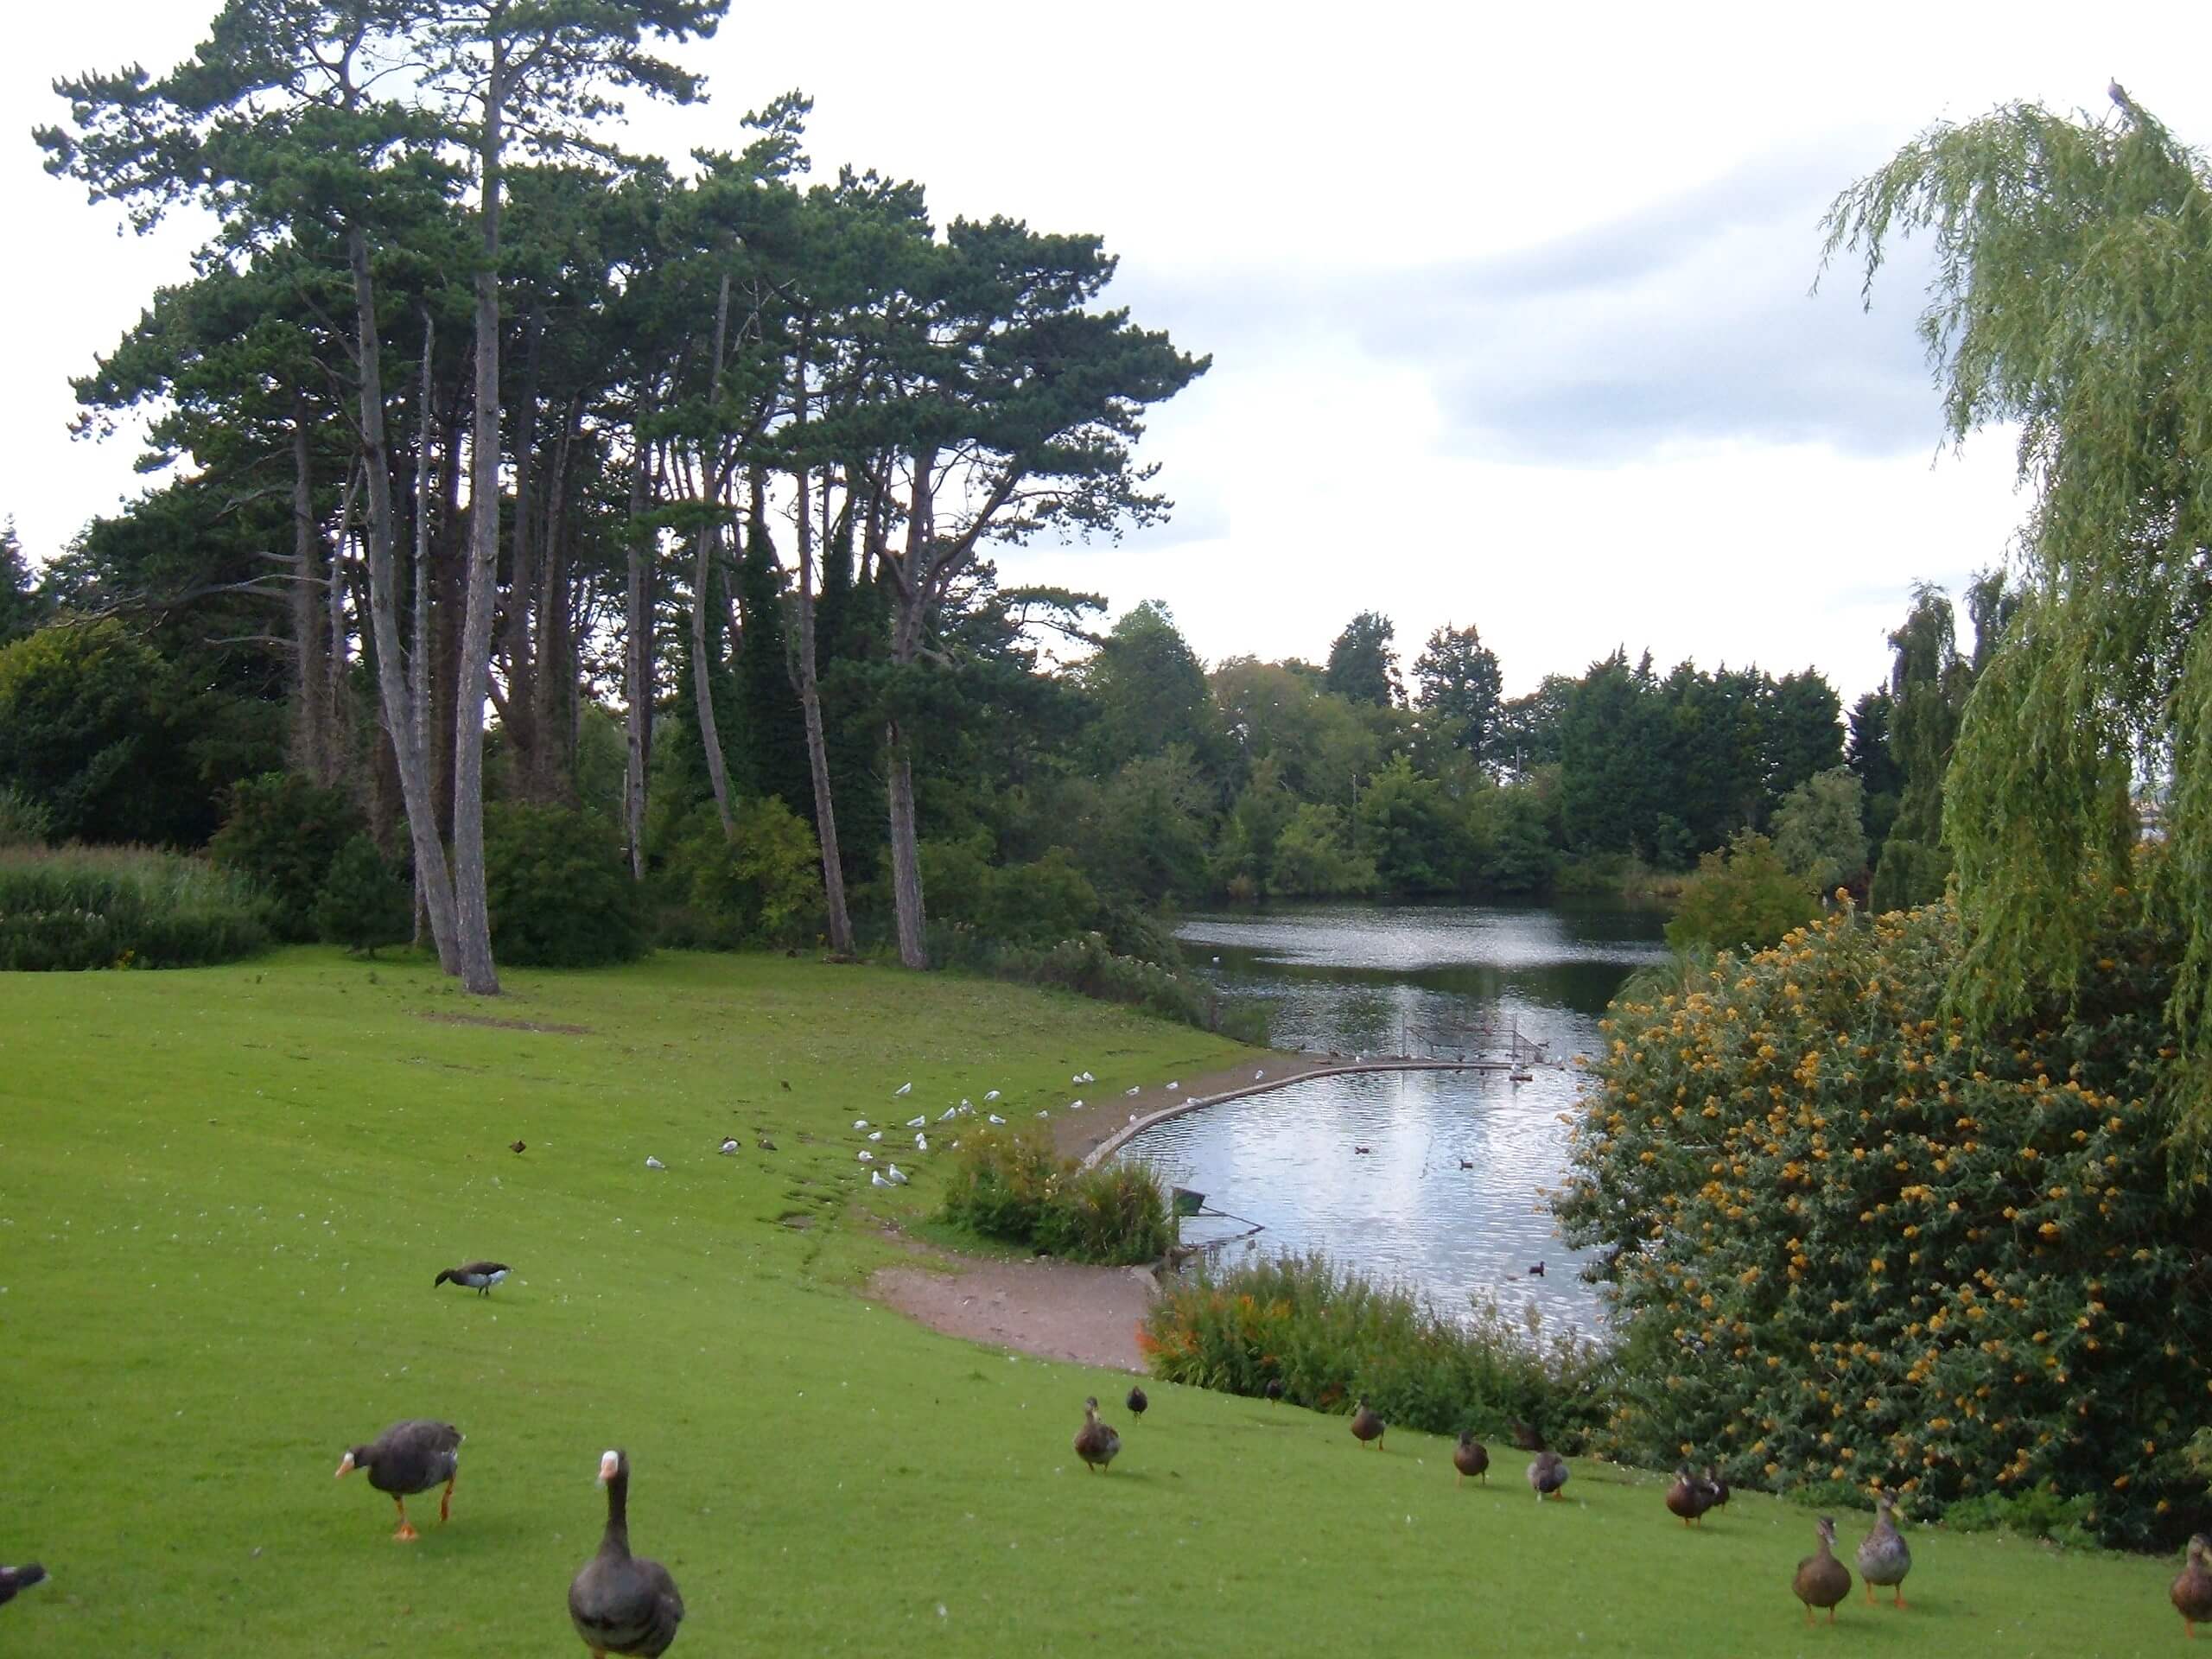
<point x="1882" y="1557"/>
<point x="407" y="1459"/>
<point x="621" y="1602"/>
<point x="1366" y="1425"/>
<point x="1822" y="1580"/>
<point x="1094" y="1443"/>
<point x="1471" y="1457"/>
<point x="479" y="1276"/>
<point x="1690" y="1498"/>
<point x="2192" y="1591"/>
<point x="1547" y="1474"/>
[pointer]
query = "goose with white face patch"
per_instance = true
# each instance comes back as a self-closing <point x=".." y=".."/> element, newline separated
<point x="621" y="1602"/>
<point x="479" y="1276"/>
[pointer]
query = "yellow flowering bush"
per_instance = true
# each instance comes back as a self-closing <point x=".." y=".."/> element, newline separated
<point x="1853" y="1241"/>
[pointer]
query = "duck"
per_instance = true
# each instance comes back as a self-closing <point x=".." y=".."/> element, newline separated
<point x="1547" y="1474"/>
<point x="1822" y="1580"/>
<point x="1366" y="1425"/>
<point x="1274" y="1390"/>
<point x="2192" y="1591"/>
<point x="1362" y="1150"/>
<point x="407" y="1459"/>
<point x="15" y="1580"/>
<point x="1536" y="1272"/>
<point x="1471" y="1457"/>
<point x="621" y="1602"/>
<point x="1094" y="1443"/>
<point x="479" y="1276"/>
<point x="1690" y="1498"/>
<point x="1139" y="1402"/>
<point x="518" y="1146"/>
<point x="1716" y="1484"/>
<point x="1527" y="1436"/>
<point x="1882" y="1557"/>
<point x="1466" y="1163"/>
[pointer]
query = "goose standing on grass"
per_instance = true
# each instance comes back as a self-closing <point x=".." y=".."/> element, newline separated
<point x="1366" y="1425"/>
<point x="1690" y="1498"/>
<point x="408" y="1459"/>
<point x="621" y="1602"/>
<point x="479" y="1276"/>
<point x="1471" y="1457"/>
<point x="16" y="1579"/>
<point x="2192" y="1591"/>
<point x="1882" y="1557"/>
<point x="1094" y="1443"/>
<point x="1822" y="1580"/>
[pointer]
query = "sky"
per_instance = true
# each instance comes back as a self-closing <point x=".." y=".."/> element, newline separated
<point x="1512" y="317"/>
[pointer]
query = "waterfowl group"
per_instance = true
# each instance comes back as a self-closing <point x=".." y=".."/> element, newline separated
<point x="621" y="1602"/>
<point x="408" y="1459"/>
<point x="1094" y="1443"/>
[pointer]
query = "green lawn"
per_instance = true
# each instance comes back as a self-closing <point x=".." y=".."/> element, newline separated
<point x="224" y="1193"/>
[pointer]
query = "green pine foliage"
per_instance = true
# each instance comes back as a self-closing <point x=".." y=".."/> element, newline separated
<point x="364" y="902"/>
<point x="1855" y="1241"/>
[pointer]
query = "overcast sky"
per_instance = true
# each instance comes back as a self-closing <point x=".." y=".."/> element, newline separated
<point x="1510" y="316"/>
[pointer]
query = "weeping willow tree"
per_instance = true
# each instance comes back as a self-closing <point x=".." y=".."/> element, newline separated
<point x="2071" y="298"/>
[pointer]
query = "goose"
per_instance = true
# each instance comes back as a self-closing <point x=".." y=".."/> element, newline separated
<point x="16" y="1579"/>
<point x="654" y="1163"/>
<point x="1471" y="1457"/>
<point x="1884" y="1558"/>
<point x="1094" y="1443"/>
<point x="1547" y="1473"/>
<point x="1822" y="1580"/>
<point x="1689" y="1499"/>
<point x="992" y="1094"/>
<point x="898" y="1176"/>
<point x="921" y="1122"/>
<point x="621" y="1602"/>
<point x="1367" y="1426"/>
<point x="2192" y="1591"/>
<point x="1138" y="1401"/>
<point x="479" y="1276"/>
<point x="409" y="1458"/>
<point x="902" y="1091"/>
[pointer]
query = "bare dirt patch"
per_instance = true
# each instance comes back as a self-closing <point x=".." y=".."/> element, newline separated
<point x="1057" y="1310"/>
<point x="444" y="1019"/>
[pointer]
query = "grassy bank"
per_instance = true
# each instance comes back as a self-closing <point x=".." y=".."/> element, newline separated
<point x="224" y="1193"/>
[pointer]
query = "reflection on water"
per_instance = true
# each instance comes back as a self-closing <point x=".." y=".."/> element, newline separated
<point x="1357" y="980"/>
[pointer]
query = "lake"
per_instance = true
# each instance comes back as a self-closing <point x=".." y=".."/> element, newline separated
<point x="1368" y="979"/>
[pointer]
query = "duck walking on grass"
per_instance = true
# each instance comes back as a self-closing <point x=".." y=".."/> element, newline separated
<point x="1822" y="1580"/>
<point x="408" y="1459"/>
<point x="14" y="1579"/>
<point x="621" y="1602"/>
<point x="479" y="1276"/>
<point x="1882" y="1557"/>
<point x="2192" y="1591"/>
<point x="1366" y="1425"/>
<point x="1690" y="1498"/>
<point x="1094" y="1443"/>
<point x="1471" y="1457"/>
<point x="1274" y="1391"/>
<point x="1547" y="1475"/>
<point x="1138" y="1401"/>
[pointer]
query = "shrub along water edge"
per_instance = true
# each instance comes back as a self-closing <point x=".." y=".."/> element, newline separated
<point x="1013" y="1187"/>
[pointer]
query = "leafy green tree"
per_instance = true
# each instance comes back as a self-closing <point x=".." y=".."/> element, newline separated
<point x="1417" y="843"/>
<point x="1866" y="752"/>
<point x="1461" y="687"/>
<point x="1363" y="668"/>
<point x="283" y="831"/>
<point x="21" y="605"/>
<point x="2069" y="299"/>
<point x="1803" y="731"/>
<point x="1314" y="856"/>
<point x="1528" y="726"/>
<point x="1818" y="830"/>
<point x="1146" y="835"/>
<point x="1743" y="899"/>
<point x="1147" y="689"/>
<point x="1614" y="758"/>
<point x="363" y="902"/>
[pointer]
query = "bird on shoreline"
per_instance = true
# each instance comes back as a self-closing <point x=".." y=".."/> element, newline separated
<point x="1822" y="1580"/>
<point x="2192" y="1591"/>
<point x="1095" y="1442"/>
<point x="1884" y="1556"/>
<point x="479" y="1276"/>
<point x="15" y="1579"/>
<point x="621" y="1602"/>
<point x="408" y="1459"/>
<point x="1471" y="1457"/>
<point x="1366" y="1425"/>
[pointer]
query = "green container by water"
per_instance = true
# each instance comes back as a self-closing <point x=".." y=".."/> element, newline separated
<point x="1187" y="1203"/>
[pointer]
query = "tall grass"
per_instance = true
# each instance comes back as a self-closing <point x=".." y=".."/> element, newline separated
<point x="1330" y="1335"/>
<point x="70" y="908"/>
<point x="1088" y="966"/>
<point x="1013" y="1187"/>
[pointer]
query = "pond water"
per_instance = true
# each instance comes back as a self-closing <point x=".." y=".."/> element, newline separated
<point x="1448" y="1197"/>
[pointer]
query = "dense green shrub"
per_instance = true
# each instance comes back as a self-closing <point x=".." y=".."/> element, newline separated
<point x="281" y="830"/>
<point x="1013" y="1187"/>
<point x="89" y="732"/>
<point x="364" y="902"/>
<point x="1856" y="1242"/>
<point x="1037" y="902"/>
<point x="1329" y="1336"/>
<point x="760" y="884"/>
<point x="560" y="888"/>
<point x="77" y="908"/>
<point x="1746" y="897"/>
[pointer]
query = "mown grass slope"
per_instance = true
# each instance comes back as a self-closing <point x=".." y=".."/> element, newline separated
<point x="224" y="1194"/>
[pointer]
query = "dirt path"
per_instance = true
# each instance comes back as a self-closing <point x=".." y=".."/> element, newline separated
<point x="1054" y="1309"/>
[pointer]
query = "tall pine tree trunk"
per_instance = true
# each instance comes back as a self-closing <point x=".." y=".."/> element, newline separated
<point x="474" y="682"/>
<point x="407" y="743"/>
<point x="709" y="544"/>
<point x="913" y="575"/>
<point x="638" y="658"/>
<point x="817" y="747"/>
<point x="310" y="744"/>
